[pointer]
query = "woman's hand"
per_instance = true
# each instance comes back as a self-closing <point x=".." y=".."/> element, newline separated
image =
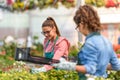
<point x="65" y="65"/>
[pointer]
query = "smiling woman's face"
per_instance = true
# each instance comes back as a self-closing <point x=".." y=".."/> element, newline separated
<point x="48" y="32"/>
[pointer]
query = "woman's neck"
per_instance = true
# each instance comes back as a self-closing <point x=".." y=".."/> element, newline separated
<point x="87" y="33"/>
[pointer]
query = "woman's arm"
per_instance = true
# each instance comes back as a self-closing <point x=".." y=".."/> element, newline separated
<point x="80" y="68"/>
<point x="61" y="49"/>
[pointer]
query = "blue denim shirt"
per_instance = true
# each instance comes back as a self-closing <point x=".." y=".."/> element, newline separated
<point x="96" y="53"/>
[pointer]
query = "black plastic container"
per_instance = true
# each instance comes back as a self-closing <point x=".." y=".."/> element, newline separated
<point x="23" y="54"/>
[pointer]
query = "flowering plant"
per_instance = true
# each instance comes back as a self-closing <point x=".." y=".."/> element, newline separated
<point x="23" y="5"/>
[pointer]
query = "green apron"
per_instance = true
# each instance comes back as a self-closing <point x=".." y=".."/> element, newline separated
<point x="50" y="54"/>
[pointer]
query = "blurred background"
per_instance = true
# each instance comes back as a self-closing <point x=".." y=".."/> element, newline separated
<point x="23" y="18"/>
<point x="20" y="23"/>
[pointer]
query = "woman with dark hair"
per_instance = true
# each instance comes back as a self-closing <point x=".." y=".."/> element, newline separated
<point x="55" y="46"/>
<point x="97" y="54"/>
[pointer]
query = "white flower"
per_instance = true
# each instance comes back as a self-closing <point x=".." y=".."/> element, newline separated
<point x="9" y="39"/>
<point x="21" y="42"/>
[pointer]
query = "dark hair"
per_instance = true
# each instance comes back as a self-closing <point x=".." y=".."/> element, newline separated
<point x="89" y="17"/>
<point x="51" y="22"/>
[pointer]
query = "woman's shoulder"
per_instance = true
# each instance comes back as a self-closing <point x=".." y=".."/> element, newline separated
<point x="62" y="39"/>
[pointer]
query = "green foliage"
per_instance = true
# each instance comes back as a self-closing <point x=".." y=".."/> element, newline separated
<point x="9" y="49"/>
<point x="22" y="73"/>
<point x="68" y="3"/>
<point x="23" y="5"/>
<point x="35" y="37"/>
<point x="5" y="61"/>
<point x="114" y="75"/>
<point x="37" y="49"/>
<point x="97" y="3"/>
<point x="73" y="51"/>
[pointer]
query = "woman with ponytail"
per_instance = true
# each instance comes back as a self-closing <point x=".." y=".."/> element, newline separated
<point x="55" y="46"/>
